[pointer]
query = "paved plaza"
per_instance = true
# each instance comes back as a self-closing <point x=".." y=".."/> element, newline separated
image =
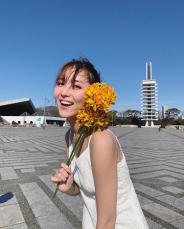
<point x="30" y="156"/>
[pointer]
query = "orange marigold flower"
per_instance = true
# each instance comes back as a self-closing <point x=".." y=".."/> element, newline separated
<point x="99" y="96"/>
<point x="98" y="99"/>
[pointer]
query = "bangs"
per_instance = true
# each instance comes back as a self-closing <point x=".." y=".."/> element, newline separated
<point x="64" y="77"/>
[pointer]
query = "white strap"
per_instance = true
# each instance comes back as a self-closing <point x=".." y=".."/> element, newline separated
<point x="89" y="140"/>
<point x="116" y="139"/>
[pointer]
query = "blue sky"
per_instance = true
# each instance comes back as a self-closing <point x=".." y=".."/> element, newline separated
<point x="38" y="36"/>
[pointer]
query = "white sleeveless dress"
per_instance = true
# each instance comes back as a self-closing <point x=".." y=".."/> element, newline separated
<point x="129" y="213"/>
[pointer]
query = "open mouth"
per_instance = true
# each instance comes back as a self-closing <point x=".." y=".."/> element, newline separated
<point x="66" y="103"/>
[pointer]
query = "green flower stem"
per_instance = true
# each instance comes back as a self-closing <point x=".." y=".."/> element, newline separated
<point x="78" y="146"/>
<point x="73" y="153"/>
<point x="75" y="149"/>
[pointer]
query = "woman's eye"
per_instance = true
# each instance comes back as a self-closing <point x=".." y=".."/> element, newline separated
<point x="76" y="87"/>
<point x="60" y="84"/>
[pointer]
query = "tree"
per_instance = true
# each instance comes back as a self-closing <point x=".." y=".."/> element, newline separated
<point x="173" y="112"/>
<point x="182" y="114"/>
<point x="40" y="110"/>
<point x="51" y="109"/>
<point x="112" y="117"/>
<point x="130" y="117"/>
<point x="179" y="121"/>
<point x="121" y="114"/>
<point x="160" y="115"/>
<point x="132" y="113"/>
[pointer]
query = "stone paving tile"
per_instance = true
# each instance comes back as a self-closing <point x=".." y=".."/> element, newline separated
<point x="39" y="202"/>
<point x="173" y="189"/>
<point x="173" y="201"/>
<point x="56" y="221"/>
<point x="41" y="165"/>
<point x="32" y="149"/>
<point x="181" y="176"/>
<point x="163" y="172"/>
<point x="175" y="165"/>
<point x="10" y="215"/>
<point x="27" y="170"/>
<point x="146" y="169"/>
<point x="143" y="200"/>
<point x="144" y="175"/>
<point x="42" y="205"/>
<point x="152" y="224"/>
<point x="162" y="212"/>
<point x="8" y="173"/>
<point x="179" y="224"/>
<point x="147" y="190"/>
<point x="23" y="167"/>
<point x="42" y="149"/>
<point x="18" y="226"/>
<point x="174" y="169"/>
<point x="31" y="189"/>
<point x="11" y="164"/>
<point x="75" y="204"/>
<point x="168" y="179"/>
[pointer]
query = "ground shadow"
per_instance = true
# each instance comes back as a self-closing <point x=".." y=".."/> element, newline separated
<point x="4" y="198"/>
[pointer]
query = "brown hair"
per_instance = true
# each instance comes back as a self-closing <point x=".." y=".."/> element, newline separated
<point x="79" y="65"/>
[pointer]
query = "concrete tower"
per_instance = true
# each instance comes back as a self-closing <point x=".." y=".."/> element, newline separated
<point x="164" y="111"/>
<point x="149" y="97"/>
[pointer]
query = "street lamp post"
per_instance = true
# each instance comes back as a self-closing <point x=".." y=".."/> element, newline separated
<point x="45" y="99"/>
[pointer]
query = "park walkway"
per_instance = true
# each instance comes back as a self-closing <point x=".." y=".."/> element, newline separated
<point x="30" y="156"/>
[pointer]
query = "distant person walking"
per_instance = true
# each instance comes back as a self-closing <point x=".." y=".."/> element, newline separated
<point x="159" y="129"/>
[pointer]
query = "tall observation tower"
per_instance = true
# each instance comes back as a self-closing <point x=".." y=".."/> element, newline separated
<point x="149" y="97"/>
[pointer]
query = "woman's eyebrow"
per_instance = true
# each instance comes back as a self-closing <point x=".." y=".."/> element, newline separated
<point x="60" y="78"/>
<point x="78" y="81"/>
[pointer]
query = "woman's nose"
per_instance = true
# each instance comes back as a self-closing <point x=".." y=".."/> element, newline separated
<point x="65" y="91"/>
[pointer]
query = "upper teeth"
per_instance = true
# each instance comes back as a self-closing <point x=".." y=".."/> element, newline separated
<point x="65" y="102"/>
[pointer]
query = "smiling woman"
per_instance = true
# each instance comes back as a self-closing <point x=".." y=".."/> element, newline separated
<point x="69" y="93"/>
<point x="98" y="171"/>
<point x="71" y="82"/>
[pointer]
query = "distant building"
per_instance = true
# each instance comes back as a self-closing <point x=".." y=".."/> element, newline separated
<point x="164" y="111"/>
<point x="149" y="98"/>
<point x="23" y="112"/>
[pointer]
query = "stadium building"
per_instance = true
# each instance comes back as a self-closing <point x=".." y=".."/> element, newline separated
<point x="23" y="112"/>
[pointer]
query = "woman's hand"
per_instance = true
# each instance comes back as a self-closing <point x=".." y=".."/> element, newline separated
<point x="65" y="177"/>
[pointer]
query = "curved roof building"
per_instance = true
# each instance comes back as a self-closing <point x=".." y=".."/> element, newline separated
<point x="16" y="107"/>
<point x="23" y="111"/>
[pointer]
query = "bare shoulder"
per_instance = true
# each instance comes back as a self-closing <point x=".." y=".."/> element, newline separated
<point x="105" y="136"/>
<point x="103" y="144"/>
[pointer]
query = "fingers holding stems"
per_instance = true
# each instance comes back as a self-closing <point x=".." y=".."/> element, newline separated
<point x="64" y="177"/>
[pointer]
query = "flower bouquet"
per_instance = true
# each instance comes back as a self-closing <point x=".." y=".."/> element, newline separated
<point x="92" y="117"/>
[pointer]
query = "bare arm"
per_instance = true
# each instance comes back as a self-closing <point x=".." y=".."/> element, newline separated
<point x="65" y="176"/>
<point x="103" y="149"/>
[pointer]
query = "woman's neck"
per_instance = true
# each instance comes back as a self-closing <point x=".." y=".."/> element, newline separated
<point x="74" y="125"/>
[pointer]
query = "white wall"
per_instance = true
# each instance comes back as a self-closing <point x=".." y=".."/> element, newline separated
<point x="28" y="119"/>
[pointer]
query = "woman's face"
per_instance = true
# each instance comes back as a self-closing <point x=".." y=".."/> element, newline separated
<point x="69" y="95"/>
